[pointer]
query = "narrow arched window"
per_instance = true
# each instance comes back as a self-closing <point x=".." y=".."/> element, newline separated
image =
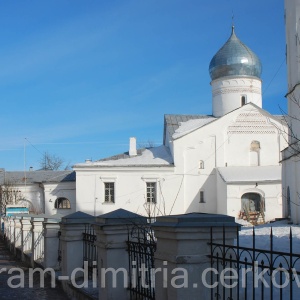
<point x="62" y="203"/>
<point x="201" y="164"/>
<point x="255" y="146"/>
<point x="255" y="153"/>
<point x="243" y="100"/>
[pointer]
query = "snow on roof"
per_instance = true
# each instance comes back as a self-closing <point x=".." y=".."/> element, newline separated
<point x="172" y="122"/>
<point x="156" y="156"/>
<point x="191" y="125"/>
<point x="252" y="174"/>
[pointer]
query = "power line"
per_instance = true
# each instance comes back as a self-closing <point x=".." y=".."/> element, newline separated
<point x="274" y="76"/>
<point x="34" y="146"/>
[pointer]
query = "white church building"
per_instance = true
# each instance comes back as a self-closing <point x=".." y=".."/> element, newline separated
<point x="44" y="191"/>
<point x="226" y="163"/>
<point x="291" y="155"/>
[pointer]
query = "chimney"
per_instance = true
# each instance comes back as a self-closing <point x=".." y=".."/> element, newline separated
<point x="132" y="146"/>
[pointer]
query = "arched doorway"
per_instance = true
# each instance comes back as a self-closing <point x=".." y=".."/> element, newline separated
<point x="253" y="208"/>
<point x="28" y="204"/>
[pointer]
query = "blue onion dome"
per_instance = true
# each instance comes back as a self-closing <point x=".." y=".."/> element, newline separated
<point x="234" y="59"/>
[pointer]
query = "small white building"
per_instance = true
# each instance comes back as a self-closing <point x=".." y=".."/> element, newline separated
<point x="47" y="192"/>
<point x="226" y="163"/>
<point x="291" y="155"/>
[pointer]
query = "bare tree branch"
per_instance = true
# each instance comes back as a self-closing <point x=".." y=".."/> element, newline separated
<point x="51" y="162"/>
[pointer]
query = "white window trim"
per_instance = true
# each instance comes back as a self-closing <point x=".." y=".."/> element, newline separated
<point x="151" y="178"/>
<point x="107" y="179"/>
<point x="109" y="202"/>
<point x="156" y="192"/>
<point x="157" y="180"/>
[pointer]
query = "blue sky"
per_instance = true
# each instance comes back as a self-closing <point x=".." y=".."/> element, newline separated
<point x="78" y="78"/>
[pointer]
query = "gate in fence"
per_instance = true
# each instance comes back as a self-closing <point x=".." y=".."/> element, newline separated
<point x="89" y="248"/>
<point x="141" y="246"/>
<point x="239" y="272"/>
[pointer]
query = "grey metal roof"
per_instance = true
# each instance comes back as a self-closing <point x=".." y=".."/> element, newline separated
<point x="172" y="122"/>
<point x="18" y="177"/>
<point x="234" y="59"/>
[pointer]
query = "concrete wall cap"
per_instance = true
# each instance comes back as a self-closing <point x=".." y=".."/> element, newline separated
<point x="121" y="216"/>
<point x="195" y="220"/>
<point x="78" y="217"/>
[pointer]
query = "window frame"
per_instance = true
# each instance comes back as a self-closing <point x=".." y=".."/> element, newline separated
<point x="152" y="186"/>
<point x="62" y="200"/>
<point x="243" y="100"/>
<point x="111" y="195"/>
<point x="201" y="164"/>
<point x="201" y="196"/>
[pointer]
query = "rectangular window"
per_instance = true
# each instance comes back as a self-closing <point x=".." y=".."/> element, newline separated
<point x="109" y="192"/>
<point x="202" y="197"/>
<point x="151" y="192"/>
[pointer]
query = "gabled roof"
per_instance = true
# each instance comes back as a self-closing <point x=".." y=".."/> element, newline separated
<point x="180" y="125"/>
<point x="41" y="176"/>
<point x="173" y="122"/>
<point x="148" y="157"/>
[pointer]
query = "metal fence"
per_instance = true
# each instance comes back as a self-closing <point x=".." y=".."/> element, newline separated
<point x="38" y="247"/>
<point x="89" y="248"/>
<point x="141" y="246"/>
<point x="59" y="254"/>
<point x="253" y="273"/>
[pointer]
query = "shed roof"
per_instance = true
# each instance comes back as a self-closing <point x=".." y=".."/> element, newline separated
<point x="250" y="174"/>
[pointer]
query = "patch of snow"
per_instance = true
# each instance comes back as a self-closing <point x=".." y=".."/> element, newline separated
<point x="152" y="156"/>
<point x="281" y="243"/>
<point x="243" y="222"/>
<point x="280" y="230"/>
<point x="191" y="125"/>
<point x="255" y="174"/>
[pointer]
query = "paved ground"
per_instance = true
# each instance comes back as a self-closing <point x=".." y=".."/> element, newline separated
<point x="7" y="262"/>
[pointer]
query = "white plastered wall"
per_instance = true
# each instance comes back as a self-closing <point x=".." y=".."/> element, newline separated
<point x="227" y="93"/>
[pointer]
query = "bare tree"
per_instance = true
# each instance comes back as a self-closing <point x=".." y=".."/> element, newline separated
<point x="147" y="144"/>
<point x="9" y="194"/>
<point x="51" y="162"/>
<point x="292" y="120"/>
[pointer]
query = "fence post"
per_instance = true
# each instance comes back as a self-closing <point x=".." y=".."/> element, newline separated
<point x="72" y="229"/>
<point x="37" y="246"/>
<point x="26" y="235"/>
<point x="51" y="241"/>
<point x="18" y="238"/>
<point x="112" y="231"/>
<point x="182" y="242"/>
<point x="6" y="229"/>
<point x="11" y="233"/>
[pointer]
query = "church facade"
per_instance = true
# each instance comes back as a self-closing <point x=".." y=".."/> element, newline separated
<point x="227" y="162"/>
<point x="42" y="192"/>
<point x="291" y="161"/>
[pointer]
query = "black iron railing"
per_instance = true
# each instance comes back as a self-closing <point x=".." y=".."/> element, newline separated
<point x="59" y="254"/>
<point x="253" y="273"/>
<point x="89" y="248"/>
<point x="141" y="246"/>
